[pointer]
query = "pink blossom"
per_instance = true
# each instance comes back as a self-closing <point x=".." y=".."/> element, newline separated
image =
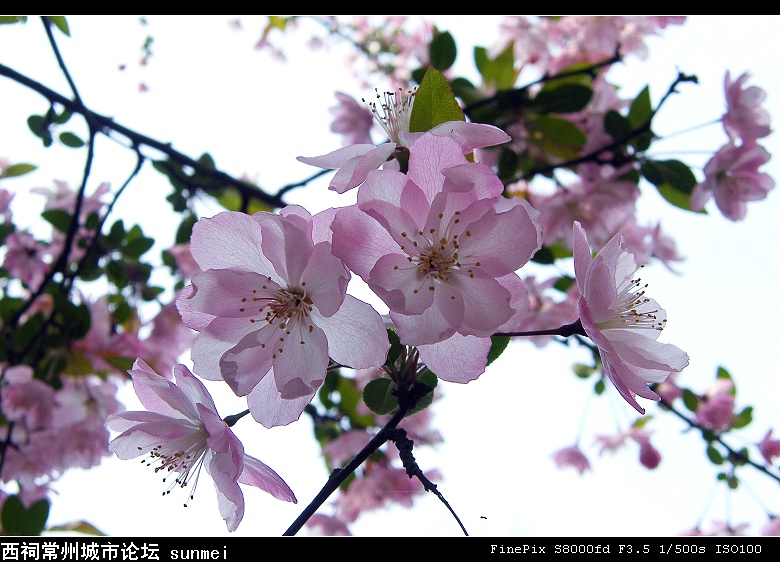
<point x="621" y="320"/>
<point x="770" y="448"/>
<point x="379" y="486"/>
<point x="272" y="300"/>
<point x="183" y="431"/>
<point x="169" y="339"/>
<point x="732" y="176"/>
<point x="599" y="200"/>
<point x="716" y="406"/>
<point x="440" y="246"/>
<point x="26" y="400"/>
<point x="571" y="457"/>
<point x="356" y="161"/>
<point x="669" y="390"/>
<point x="184" y="262"/>
<point x="546" y="312"/>
<point x="104" y="343"/>
<point x="352" y="120"/>
<point x="26" y="259"/>
<point x="745" y="118"/>
<point x="646" y="242"/>
<point x="327" y="526"/>
<point x="649" y="457"/>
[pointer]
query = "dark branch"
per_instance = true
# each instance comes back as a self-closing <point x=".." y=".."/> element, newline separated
<point x="106" y="124"/>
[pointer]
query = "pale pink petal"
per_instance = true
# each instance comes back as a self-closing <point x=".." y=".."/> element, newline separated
<point x="229" y="240"/>
<point x="356" y="321"/>
<point x="260" y="475"/>
<point x="458" y="358"/>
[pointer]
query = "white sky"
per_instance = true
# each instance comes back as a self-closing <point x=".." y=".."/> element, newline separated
<point x="210" y="91"/>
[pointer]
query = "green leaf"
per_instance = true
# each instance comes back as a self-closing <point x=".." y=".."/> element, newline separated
<point x="137" y="247"/>
<point x="12" y="19"/>
<point x="640" y="110"/>
<point x="714" y="455"/>
<point x="443" y="51"/>
<point x="71" y="140"/>
<point x="20" y="521"/>
<point x="434" y="103"/>
<point x="15" y="170"/>
<point x="562" y="98"/>
<point x="722" y="373"/>
<point x="743" y="418"/>
<point x="37" y="125"/>
<point x="617" y="126"/>
<point x="583" y="371"/>
<point x="555" y="132"/>
<point x="61" y="23"/>
<point x="673" y="179"/>
<point x="377" y="396"/>
<point x="690" y="400"/>
<point x="497" y="346"/>
<point x="58" y="218"/>
<point x="498" y="73"/>
<point x="426" y="399"/>
<point x="395" y="347"/>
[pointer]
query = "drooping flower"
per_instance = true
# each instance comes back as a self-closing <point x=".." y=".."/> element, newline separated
<point x="271" y="300"/>
<point x="184" y="433"/>
<point x="571" y="457"/>
<point x="624" y="323"/>
<point x="354" y="162"/>
<point x="732" y="177"/>
<point x="745" y="118"/>
<point x="770" y="448"/>
<point x="440" y="246"/>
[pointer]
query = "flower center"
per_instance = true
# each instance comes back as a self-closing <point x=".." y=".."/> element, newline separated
<point x="394" y="113"/>
<point x="634" y="309"/>
<point x="184" y="456"/>
<point x="277" y="305"/>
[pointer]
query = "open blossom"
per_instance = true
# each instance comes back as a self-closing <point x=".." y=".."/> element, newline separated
<point x="440" y="246"/>
<point x="184" y="433"/>
<point x="745" y="118"/>
<point x="732" y="177"/>
<point x="271" y="308"/>
<point x="621" y="320"/>
<point x="354" y="162"/>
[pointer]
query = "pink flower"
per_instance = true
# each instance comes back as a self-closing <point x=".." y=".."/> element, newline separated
<point x="272" y="300"/>
<point x="571" y="457"/>
<point x="26" y="259"/>
<point x="183" y="431"/>
<point x="732" y="176"/>
<point x="744" y="117"/>
<point x="327" y="526"/>
<point x="599" y="200"/>
<point x="352" y="120"/>
<point x="770" y="448"/>
<point x="621" y="321"/>
<point x="716" y="406"/>
<point x="356" y="161"/>
<point x="649" y="457"/>
<point x="440" y="246"/>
